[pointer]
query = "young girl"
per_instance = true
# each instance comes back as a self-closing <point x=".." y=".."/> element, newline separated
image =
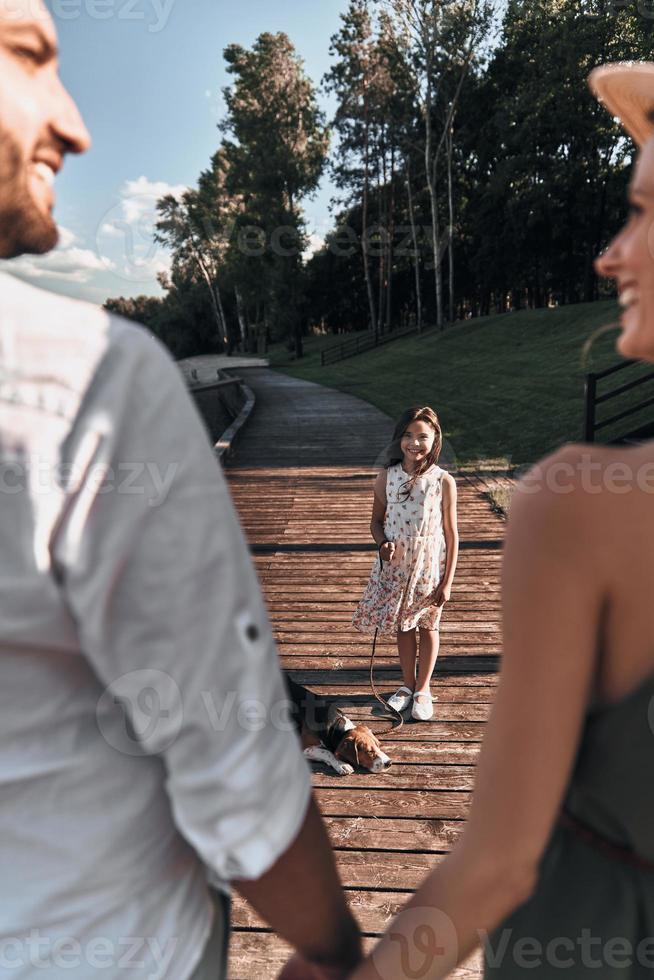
<point x="414" y="526"/>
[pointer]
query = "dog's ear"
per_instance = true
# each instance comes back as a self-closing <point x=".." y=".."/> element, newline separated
<point x="369" y="734"/>
<point x="342" y="746"/>
<point x="348" y="749"/>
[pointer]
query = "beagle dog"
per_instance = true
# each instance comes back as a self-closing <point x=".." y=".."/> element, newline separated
<point x="328" y="736"/>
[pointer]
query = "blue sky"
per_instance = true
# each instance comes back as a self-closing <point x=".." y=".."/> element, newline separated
<point x="147" y="76"/>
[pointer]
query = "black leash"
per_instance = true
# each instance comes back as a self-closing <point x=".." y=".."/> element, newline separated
<point x="385" y="704"/>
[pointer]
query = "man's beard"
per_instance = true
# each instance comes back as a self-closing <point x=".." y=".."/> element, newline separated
<point x="23" y="227"/>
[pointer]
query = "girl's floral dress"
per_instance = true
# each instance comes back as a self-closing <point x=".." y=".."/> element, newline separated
<point x="398" y="596"/>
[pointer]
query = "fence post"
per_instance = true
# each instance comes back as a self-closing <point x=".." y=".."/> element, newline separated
<point x="591" y="393"/>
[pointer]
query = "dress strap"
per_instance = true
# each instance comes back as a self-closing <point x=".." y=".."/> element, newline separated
<point x="601" y="843"/>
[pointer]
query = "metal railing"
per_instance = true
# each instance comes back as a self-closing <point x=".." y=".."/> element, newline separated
<point x="363" y="342"/>
<point x="221" y="402"/>
<point x="215" y="385"/>
<point x="594" y="399"/>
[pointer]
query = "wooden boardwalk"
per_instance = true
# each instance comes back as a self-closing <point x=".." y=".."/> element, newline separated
<point x="302" y="482"/>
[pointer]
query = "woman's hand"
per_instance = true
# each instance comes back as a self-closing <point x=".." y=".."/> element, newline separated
<point x="442" y="594"/>
<point x="387" y="550"/>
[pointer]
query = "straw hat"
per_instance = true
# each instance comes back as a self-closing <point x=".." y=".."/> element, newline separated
<point x="626" y="89"/>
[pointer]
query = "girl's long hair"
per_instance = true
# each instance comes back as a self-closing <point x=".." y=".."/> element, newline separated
<point x="395" y="454"/>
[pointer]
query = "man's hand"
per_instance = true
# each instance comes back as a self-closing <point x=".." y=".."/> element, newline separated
<point x="387" y="550"/>
<point x="298" y="968"/>
<point x="442" y="594"/>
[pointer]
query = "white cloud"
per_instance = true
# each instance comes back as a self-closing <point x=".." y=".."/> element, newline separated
<point x="314" y="245"/>
<point x="68" y="261"/>
<point x="138" y="198"/>
<point x="66" y="237"/>
<point x="126" y="232"/>
<point x="110" y="230"/>
<point x="148" y="268"/>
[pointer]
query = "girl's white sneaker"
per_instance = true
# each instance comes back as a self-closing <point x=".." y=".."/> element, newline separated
<point x="423" y="709"/>
<point x="401" y="699"/>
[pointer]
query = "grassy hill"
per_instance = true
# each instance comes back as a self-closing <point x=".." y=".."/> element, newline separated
<point x="508" y="388"/>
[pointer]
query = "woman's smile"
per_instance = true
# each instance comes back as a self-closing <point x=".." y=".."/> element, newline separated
<point x="629" y="260"/>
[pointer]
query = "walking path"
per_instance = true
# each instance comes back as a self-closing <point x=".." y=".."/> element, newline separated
<point x="302" y="481"/>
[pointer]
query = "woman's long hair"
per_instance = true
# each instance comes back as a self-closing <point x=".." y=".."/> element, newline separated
<point x="395" y="454"/>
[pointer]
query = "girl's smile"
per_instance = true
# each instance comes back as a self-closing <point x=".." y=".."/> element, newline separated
<point x="416" y="443"/>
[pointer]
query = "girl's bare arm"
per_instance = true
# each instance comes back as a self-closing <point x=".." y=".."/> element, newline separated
<point x="555" y="585"/>
<point x="379" y="508"/>
<point x="450" y="529"/>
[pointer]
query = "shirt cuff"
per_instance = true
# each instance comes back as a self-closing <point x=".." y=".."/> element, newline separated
<point x="280" y="823"/>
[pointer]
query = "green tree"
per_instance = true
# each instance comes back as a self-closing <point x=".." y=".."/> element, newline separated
<point x="361" y="82"/>
<point x="548" y="165"/>
<point x="189" y="227"/>
<point x="141" y="309"/>
<point x="275" y="146"/>
<point x="444" y="37"/>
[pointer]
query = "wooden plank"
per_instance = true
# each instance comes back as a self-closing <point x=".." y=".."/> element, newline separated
<point x="359" y="692"/>
<point x="258" y="956"/>
<point x="401" y="775"/>
<point x="446" y="711"/>
<point x="359" y="833"/>
<point x="434" y="804"/>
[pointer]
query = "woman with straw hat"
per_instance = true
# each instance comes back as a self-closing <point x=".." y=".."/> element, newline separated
<point x="554" y="872"/>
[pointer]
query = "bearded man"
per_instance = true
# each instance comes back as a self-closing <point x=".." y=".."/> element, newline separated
<point x="130" y="621"/>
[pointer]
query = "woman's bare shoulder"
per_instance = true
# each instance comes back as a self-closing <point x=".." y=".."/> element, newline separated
<point x="583" y="487"/>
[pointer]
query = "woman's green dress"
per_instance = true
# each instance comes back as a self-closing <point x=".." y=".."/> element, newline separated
<point x="591" y="913"/>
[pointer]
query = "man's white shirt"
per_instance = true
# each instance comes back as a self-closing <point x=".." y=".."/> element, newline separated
<point x="144" y="742"/>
